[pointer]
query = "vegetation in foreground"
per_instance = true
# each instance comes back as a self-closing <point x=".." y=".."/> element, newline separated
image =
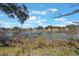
<point x="20" y="45"/>
<point x="39" y="46"/>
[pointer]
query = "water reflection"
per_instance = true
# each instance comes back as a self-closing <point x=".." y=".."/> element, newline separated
<point x="32" y="35"/>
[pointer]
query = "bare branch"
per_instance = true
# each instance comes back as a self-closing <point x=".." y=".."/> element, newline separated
<point x="71" y="13"/>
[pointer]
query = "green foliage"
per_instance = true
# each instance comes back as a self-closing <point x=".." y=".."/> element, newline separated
<point x="15" y="10"/>
<point x="39" y="27"/>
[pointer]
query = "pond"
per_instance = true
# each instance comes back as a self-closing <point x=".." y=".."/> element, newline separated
<point x="50" y="36"/>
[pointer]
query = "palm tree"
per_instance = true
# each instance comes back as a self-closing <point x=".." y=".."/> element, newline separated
<point x="15" y="10"/>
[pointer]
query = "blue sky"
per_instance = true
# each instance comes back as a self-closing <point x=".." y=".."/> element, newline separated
<point x="41" y="14"/>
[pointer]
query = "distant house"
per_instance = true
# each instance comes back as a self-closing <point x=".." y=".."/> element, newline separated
<point x="54" y="28"/>
<point x="49" y="29"/>
<point x="66" y="29"/>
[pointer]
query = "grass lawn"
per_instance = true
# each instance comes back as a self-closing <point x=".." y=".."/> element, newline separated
<point x="18" y="51"/>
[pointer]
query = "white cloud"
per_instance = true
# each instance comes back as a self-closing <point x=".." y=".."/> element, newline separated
<point x="60" y="19"/>
<point x="41" y="22"/>
<point x="27" y="25"/>
<point x="39" y="12"/>
<point x="5" y="24"/>
<point x="2" y="15"/>
<point x="64" y="23"/>
<point x="1" y="21"/>
<point x="33" y="20"/>
<point x="38" y="21"/>
<point x="68" y="22"/>
<point x="52" y="9"/>
<point x="33" y="17"/>
<point x="44" y="12"/>
<point x="59" y="25"/>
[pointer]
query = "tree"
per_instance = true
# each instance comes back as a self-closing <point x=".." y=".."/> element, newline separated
<point x="49" y="27"/>
<point x="16" y="28"/>
<point x="70" y="13"/>
<point x="15" y="10"/>
<point x="39" y="27"/>
<point x="71" y="30"/>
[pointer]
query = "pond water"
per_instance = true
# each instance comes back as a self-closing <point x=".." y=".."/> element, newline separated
<point x="50" y="36"/>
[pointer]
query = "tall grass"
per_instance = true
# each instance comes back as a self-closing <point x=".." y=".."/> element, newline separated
<point x="38" y="46"/>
